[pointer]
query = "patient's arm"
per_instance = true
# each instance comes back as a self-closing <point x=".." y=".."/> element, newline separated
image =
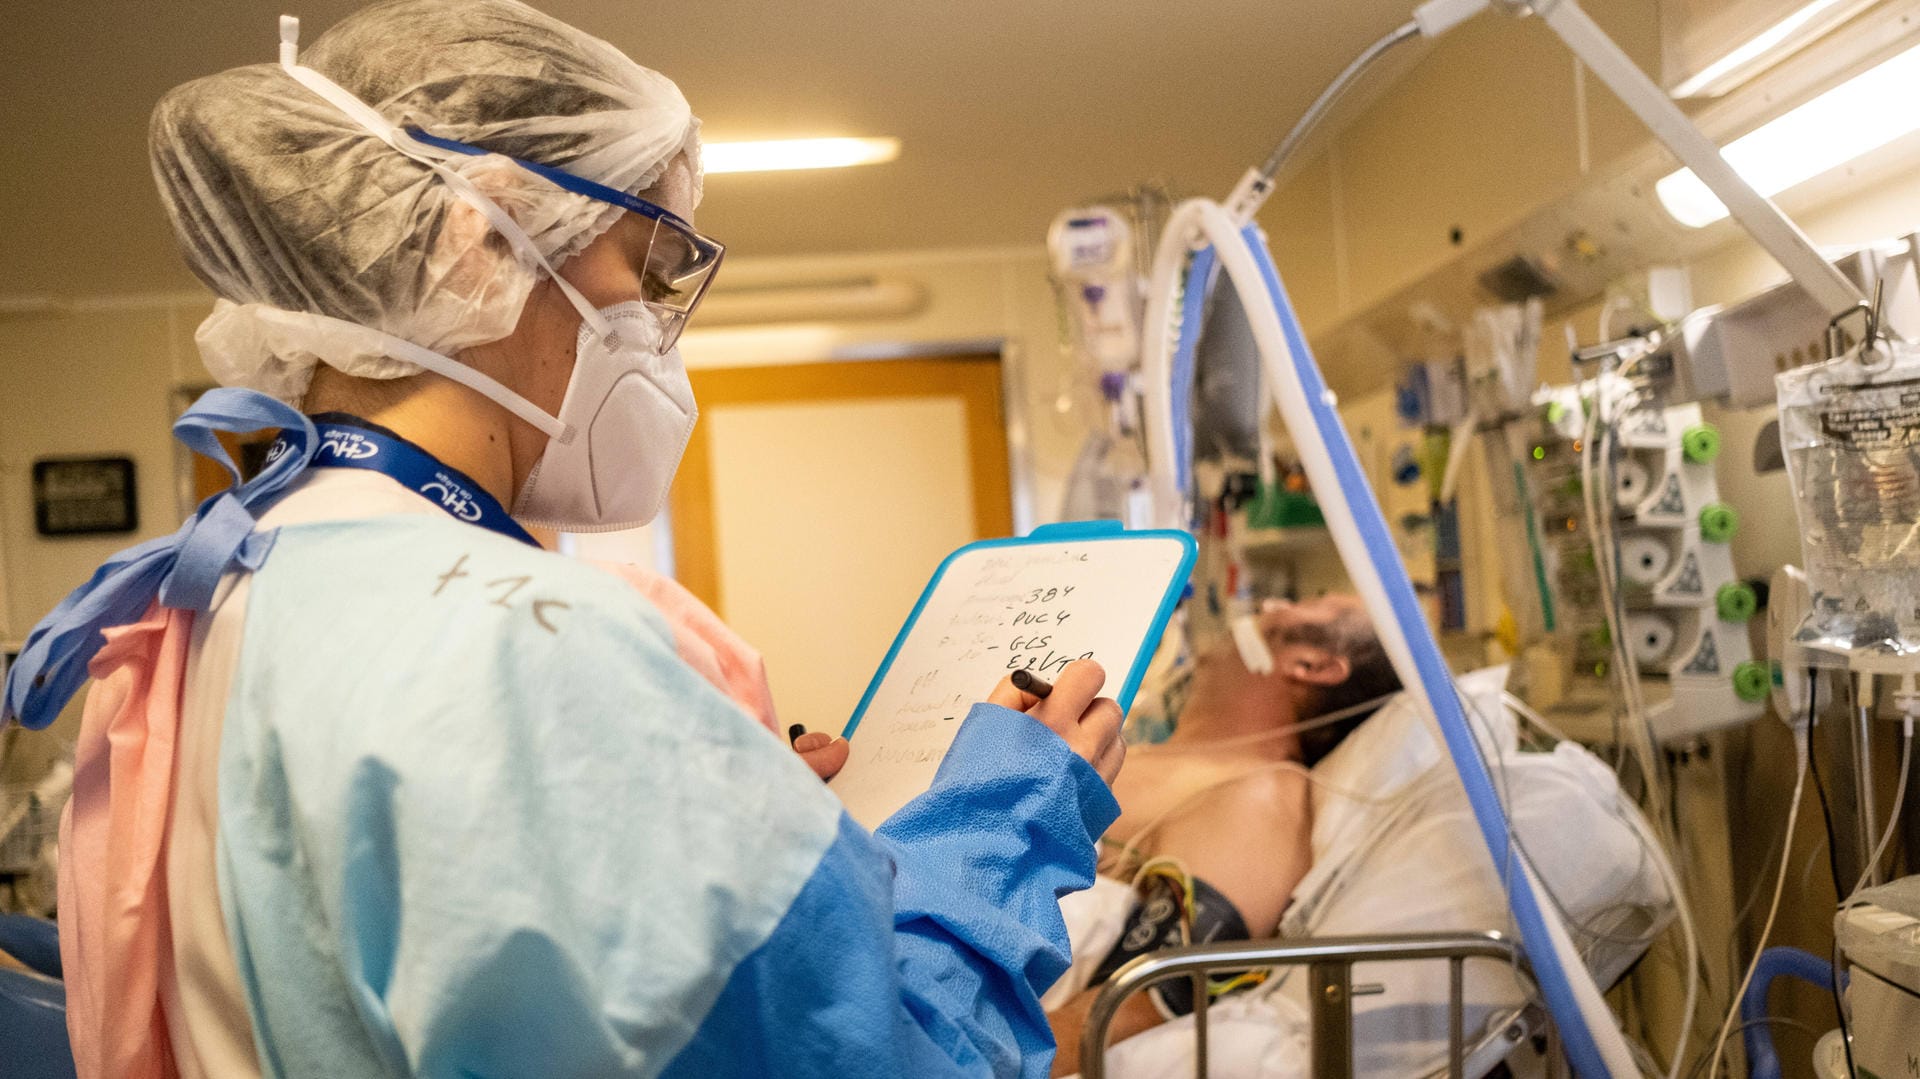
<point x="1251" y="839"/>
<point x="1136" y="1014"/>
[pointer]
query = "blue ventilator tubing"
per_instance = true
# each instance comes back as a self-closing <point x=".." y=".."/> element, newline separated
<point x="1763" y="1061"/>
<point x="1531" y="919"/>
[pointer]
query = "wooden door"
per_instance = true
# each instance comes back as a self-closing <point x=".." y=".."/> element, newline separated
<point x="815" y="501"/>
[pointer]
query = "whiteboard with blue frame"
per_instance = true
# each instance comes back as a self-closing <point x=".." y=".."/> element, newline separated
<point x="1069" y="591"/>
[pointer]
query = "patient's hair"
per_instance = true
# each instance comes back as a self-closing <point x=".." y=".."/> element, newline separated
<point x="1370" y="676"/>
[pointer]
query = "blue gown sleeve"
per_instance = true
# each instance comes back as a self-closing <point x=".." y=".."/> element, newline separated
<point x="922" y="950"/>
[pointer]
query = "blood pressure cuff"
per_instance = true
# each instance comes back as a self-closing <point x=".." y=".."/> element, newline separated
<point x="1155" y="924"/>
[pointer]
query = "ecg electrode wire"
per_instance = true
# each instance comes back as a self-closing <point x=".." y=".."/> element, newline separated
<point x="1183" y="805"/>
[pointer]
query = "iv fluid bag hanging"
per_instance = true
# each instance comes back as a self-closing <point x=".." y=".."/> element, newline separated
<point x="1851" y="435"/>
<point x="1092" y="255"/>
<point x="1109" y="483"/>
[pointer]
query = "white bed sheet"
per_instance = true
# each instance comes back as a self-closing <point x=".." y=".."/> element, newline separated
<point x="1396" y="850"/>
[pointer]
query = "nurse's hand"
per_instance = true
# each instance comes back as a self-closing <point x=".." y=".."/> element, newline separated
<point x="1089" y="723"/>
<point x="824" y="753"/>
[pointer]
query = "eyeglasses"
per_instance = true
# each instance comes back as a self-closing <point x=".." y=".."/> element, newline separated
<point x="680" y="262"/>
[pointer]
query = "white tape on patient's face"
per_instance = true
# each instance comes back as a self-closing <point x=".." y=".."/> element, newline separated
<point x="1251" y="644"/>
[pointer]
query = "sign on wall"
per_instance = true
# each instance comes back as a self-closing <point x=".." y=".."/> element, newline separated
<point x="81" y="496"/>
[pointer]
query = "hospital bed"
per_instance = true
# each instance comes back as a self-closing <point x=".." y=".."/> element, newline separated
<point x="1395" y="957"/>
<point x="1329" y="962"/>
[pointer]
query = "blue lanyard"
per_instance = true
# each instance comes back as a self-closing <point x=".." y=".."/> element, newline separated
<point x="347" y="442"/>
<point x="183" y="571"/>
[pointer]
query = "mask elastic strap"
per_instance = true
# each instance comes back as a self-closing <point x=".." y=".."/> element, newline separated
<point x="367" y="117"/>
<point x="447" y="367"/>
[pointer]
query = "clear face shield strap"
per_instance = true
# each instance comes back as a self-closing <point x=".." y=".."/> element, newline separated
<point x="365" y="115"/>
<point x="377" y="341"/>
<point x="432" y="157"/>
<point x="377" y="125"/>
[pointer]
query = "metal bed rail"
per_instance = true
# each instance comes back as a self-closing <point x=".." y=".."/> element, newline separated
<point x="1329" y="962"/>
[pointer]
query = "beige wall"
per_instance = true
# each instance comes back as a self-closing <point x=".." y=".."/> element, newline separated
<point x="91" y="382"/>
<point x="100" y="381"/>
<point x="1491" y="123"/>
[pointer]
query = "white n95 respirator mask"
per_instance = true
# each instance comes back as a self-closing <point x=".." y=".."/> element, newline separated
<point x="631" y="411"/>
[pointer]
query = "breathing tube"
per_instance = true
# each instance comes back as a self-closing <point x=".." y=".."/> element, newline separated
<point x="1593" y="1039"/>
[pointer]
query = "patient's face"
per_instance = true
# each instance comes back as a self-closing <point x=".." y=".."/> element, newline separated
<point x="1288" y="627"/>
<point x="1311" y="644"/>
<point x="1314" y="620"/>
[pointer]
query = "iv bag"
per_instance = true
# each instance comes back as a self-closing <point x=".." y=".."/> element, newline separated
<point x="1108" y="482"/>
<point x="1850" y="431"/>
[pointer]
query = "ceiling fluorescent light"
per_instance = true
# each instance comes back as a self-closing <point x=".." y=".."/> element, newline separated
<point x="774" y="155"/>
<point x="1854" y="118"/>
<point x="1747" y="58"/>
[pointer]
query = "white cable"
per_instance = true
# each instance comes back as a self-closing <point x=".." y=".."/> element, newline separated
<point x="1436" y="17"/>
<point x="1800" y="752"/>
<point x="1140" y="835"/>
<point x="1458" y="440"/>
<point x="1893" y="819"/>
<point x="1532" y="716"/>
<point x="1156" y="373"/>
<point x="1211" y="744"/>
<point x="1595" y="480"/>
<point x="1689" y="938"/>
<point x="1683" y="909"/>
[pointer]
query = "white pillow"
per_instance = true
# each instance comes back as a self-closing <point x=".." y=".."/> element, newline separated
<point x="1417" y="863"/>
<point x="1393" y="748"/>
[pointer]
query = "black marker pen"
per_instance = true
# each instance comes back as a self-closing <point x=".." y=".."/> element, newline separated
<point x="1028" y="682"/>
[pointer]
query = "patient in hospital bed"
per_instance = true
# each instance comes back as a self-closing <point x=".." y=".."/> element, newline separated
<point x="1240" y="826"/>
<point x="1231" y="779"/>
